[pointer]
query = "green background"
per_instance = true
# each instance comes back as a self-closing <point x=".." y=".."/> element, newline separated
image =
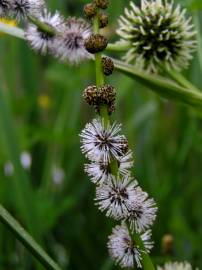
<point x="166" y="139"/>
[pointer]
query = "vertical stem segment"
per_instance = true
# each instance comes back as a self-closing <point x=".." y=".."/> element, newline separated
<point x="146" y="261"/>
<point x="99" y="73"/>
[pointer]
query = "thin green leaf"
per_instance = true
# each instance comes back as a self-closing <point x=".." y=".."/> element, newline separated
<point x="27" y="240"/>
<point x="21" y="184"/>
<point x="164" y="87"/>
<point x="12" y="30"/>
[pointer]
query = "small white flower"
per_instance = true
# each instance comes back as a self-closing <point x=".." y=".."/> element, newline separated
<point x="4" y="7"/>
<point x="23" y="8"/>
<point x="58" y="175"/>
<point x="158" y="34"/>
<point x="42" y="41"/>
<point x="176" y="266"/>
<point x="143" y="214"/>
<point x="124" y="250"/>
<point x="102" y="144"/>
<point x="70" y="45"/>
<point x="117" y="196"/>
<point x="26" y="160"/>
<point x="100" y="171"/>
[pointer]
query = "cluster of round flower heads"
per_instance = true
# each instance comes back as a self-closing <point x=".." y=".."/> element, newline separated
<point x="158" y="34"/>
<point x="50" y="33"/>
<point x="118" y="194"/>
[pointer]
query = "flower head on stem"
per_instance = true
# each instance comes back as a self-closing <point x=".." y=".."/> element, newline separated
<point x="158" y="34"/>
<point x="123" y="248"/>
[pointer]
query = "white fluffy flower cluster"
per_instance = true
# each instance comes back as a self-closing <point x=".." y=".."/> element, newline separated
<point x="20" y="9"/>
<point x="119" y="196"/>
<point x="50" y="33"/>
<point x="176" y="266"/>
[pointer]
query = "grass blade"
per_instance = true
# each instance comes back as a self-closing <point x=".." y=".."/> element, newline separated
<point x="24" y="195"/>
<point x="164" y="87"/>
<point x="27" y="240"/>
<point x="12" y="30"/>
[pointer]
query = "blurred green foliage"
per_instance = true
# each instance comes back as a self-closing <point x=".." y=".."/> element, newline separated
<point x="45" y="113"/>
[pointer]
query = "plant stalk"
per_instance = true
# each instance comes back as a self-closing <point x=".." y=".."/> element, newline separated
<point x="26" y="239"/>
<point x="118" y="47"/>
<point x="44" y="27"/>
<point x="158" y="84"/>
<point x="146" y="261"/>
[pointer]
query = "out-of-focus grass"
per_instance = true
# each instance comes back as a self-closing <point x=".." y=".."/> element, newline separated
<point x="166" y="139"/>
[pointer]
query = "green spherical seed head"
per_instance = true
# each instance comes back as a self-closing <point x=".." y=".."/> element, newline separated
<point x="159" y="33"/>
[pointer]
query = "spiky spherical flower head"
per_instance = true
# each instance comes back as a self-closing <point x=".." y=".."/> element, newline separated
<point x="176" y="266"/>
<point x="100" y="172"/>
<point x="70" y="45"/>
<point x="20" y="9"/>
<point x="43" y="41"/>
<point x="4" y="7"/>
<point x="143" y="214"/>
<point x="124" y="250"/>
<point x="158" y="34"/>
<point x="101" y="143"/>
<point x="116" y="197"/>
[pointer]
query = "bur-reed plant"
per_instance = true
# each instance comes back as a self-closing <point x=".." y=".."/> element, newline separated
<point x="158" y="38"/>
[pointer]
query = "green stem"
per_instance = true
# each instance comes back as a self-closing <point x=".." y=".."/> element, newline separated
<point x="181" y="80"/>
<point x="118" y="47"/>
<point x="98" y="57"/>
<point x="146" y="261"/>
<point x="12" y="30"/>
<point x="44" y="27"/>
<point x="163" y="86"/>
<point x="27" y="240"/>
<point x="99" y="74"/>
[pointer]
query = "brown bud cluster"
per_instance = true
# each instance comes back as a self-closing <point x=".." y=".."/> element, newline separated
<point x="90" y="94"/>
<point x="95" y="43"/>
<point x="167" y="244"/>
<point x="103" y="4"/>
<point x="103" y="20"/>
<point x="107" y="66"/>
<point x="98" y="96"/>
<point x="90" y="10"/>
